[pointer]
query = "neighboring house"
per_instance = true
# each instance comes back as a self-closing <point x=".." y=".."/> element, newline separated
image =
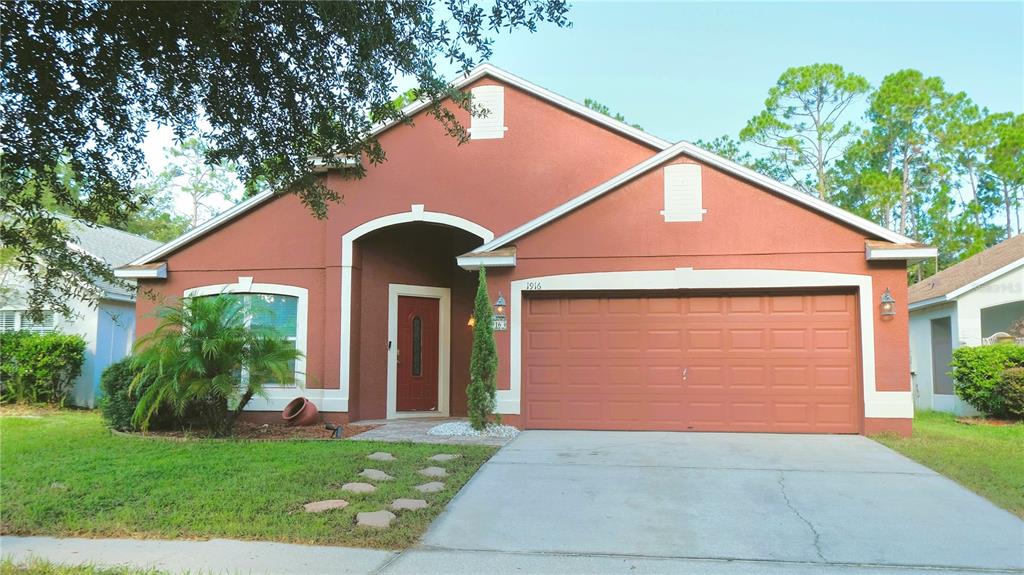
<point x="108" y="324"/>
<point x="966" y="304"/>
<point x="647" y="285"/>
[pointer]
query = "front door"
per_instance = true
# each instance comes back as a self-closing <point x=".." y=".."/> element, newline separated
<point x="417" y="356"/>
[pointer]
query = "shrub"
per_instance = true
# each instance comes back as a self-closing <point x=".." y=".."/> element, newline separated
<point x="39" y="367"/>
<point x="976" y="372"/>
<point x="203" y="355"/>
<point x="1011" y="390"/>
<point x="483" y="361"/>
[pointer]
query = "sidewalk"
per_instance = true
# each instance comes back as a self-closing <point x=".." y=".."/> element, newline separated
<point x="213" y="556"/>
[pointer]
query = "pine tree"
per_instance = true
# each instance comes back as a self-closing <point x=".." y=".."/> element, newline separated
<point x="483" y="362"/>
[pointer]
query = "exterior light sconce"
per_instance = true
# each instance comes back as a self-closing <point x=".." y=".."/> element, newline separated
<point x="499" y="306"/>
<point x="472" y="321"/>
<point x="887" y="307"/>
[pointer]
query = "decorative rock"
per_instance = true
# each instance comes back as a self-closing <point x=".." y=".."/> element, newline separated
<point x="442" y="457"/>
<point x="358" y="488"/>
<point x="410" y="504"/>
<point x="376" y="475"/>
<point x="432" y="487"/>
<point x="327" y="505"/>
<point x="434" y="472"/>
<point x="381" y="456"/>
<point x="376" y="519"/>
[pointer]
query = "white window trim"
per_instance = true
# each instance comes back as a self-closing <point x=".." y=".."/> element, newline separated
<point x="478" y="132"/>
<point x="877" y="404"/>
<point x="416" y="213"/>
<point x="20" y="313"/>
<point x="443" y="295"/>
<point x="245" y="285"/>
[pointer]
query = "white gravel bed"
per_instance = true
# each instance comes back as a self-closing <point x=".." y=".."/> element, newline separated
<point x="463" y="429"/>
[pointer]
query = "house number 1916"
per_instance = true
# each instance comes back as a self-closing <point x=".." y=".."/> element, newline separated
<point x="532" y="285"/>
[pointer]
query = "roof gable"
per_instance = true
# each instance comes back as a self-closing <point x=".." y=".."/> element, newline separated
<point x="711" y="159"/>
<point x="964" y="276"/>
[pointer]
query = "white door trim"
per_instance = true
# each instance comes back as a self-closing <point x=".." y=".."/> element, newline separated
<point x="877" y="404"/>
<point x="444" y="314"/>
<point x="416" y="213"/>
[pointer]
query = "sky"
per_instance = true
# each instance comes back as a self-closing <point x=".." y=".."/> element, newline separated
<point x="697" y="70"/>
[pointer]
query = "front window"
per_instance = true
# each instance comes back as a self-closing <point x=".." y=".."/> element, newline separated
<point x="274" y="311"/>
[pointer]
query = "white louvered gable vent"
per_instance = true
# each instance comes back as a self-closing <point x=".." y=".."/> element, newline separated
<point x="683" y="201"/>
<point x="493" y="124"/>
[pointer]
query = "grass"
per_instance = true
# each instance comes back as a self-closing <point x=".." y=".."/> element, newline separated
<point x="40" y="567"/>
<point x="988" y="460"/>
<point x="64" y="474"/>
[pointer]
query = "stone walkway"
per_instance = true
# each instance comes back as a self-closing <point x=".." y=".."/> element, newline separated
<point x="415" y="430"/>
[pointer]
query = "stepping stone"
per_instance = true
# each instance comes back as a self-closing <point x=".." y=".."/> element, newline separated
<point x="327" y="505"/>
<point x="358" y="488"/>
<point x="376" y="519"/>
<point x="376" y="475"/>
<point x="410" y="504"/>
<point x="432" y="487"/>
<point x="442" y="457"/>
<point x="381" y="456"/>
<point x="434" y="472"/>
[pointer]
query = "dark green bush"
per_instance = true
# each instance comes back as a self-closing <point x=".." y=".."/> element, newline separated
<point x="119" y="401"/>
<point x="39" y="367"/>
<point x="976" y="372"/>
<point x="1011" y="389"/>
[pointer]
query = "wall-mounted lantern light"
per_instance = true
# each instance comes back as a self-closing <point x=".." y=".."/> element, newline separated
<point x="499" y="306"/>
<point x="472" y="321"/>
<point x="887" y="306"/>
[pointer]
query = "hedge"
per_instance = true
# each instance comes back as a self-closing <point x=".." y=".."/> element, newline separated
<point x="39" y="367"/>
<point x="1011" y="389"/>
<point x="977" y="371"/>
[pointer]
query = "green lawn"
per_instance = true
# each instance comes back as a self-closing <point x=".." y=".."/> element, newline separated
<point x="64" y="474"/>
<point x="989" y="460"/>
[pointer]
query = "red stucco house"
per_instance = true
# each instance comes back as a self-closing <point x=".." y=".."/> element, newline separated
<point x="648" y="285"/>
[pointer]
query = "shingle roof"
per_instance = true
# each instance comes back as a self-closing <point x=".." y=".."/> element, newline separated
<point x="969" y="270"/>
<point x="113" y="246"/>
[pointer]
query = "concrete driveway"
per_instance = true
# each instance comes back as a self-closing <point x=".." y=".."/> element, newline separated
<point x="573" y="501"/>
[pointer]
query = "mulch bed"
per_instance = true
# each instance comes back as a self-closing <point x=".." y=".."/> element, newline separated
<point x="256" y="432"/>
<point x="986" y="421"/>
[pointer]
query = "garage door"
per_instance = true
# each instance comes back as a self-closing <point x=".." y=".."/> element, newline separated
<point x="768" y="362"/>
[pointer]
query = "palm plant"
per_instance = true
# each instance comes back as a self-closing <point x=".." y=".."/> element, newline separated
<point x="205" y="356"/>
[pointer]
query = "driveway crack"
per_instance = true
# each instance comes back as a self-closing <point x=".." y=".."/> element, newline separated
<point x="817" y="536"/>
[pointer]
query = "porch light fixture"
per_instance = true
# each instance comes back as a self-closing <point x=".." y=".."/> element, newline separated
<point x="888" y="304"/>
<point x="472" y="321"/>
<point x="499" y="306"/>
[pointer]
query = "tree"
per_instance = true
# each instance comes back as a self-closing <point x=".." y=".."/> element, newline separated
<point x="279" y="84"/>
<point x="481" y="395"/>
<point x="730" y="149"/>
<point x="1005" y="157"/>
<point x="602" y="109"/>
<point x="802" y="124"/>
<point x="205" y="352"/>
<point x="190" y="174"/>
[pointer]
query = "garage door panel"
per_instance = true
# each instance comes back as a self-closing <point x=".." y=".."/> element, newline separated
<point x="781" y="363"/>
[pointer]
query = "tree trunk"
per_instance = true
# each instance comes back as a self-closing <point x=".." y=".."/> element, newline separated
<point x="1009" y="210"/>
<point x="229" y="422"/>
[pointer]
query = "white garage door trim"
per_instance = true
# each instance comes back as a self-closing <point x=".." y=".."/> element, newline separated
<point x="877" y="404"/>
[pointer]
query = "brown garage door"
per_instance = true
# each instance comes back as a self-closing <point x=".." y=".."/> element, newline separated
<point x="772" y="363"/>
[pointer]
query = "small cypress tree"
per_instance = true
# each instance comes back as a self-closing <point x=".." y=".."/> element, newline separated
<point x="481" y="394"/>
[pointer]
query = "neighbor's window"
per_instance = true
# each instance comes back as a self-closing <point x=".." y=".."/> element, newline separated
<point x="15" y="320"/>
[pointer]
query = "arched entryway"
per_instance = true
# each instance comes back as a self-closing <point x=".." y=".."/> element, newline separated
<point x="409" y="306"/>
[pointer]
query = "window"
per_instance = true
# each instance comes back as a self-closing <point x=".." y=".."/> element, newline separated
<point x="683" y="201"/>
<point x="15" y="320"/>
<point x="417" y="346"/>
<point x="280" y="306"/>
<point x="491" y="98"/>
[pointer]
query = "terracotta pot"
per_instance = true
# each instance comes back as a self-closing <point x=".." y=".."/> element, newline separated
<point x="301" y="411"/>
